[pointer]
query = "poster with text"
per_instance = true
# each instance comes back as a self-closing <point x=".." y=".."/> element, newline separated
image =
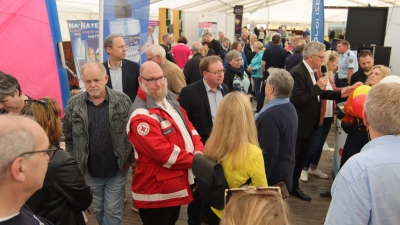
<point x="153" y="33"/>
<point x="208" y="24"/>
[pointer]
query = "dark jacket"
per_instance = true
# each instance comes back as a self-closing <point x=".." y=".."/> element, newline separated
<point x="168" y="55"/>
<point x="228" y="79"/>
<point x="277" y="132"/>
<point x="358" y="76"/>
<point x="248" y="52"/>
<point x="130" y="75"/>
<point x="293" y="60"/>
<point x="194" y="100"/>
<point x="216" y="47"/>
<point x="64" y="194"/>
<point x="192" y="71"/>
<point x="76" y="125"/>
<point x="305" y="100"/>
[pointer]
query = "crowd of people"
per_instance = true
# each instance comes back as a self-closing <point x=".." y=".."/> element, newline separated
<point x="185" y="101"/>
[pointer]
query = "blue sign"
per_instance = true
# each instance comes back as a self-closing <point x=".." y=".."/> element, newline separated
<point x="318" y="21"/>
<point x="90" y="29"/>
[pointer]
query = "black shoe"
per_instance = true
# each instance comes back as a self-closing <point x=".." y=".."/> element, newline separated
<point x="326" y="194"/>
<point x="299" y="194"/>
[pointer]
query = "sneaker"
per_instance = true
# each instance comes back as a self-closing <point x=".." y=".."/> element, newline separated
<point x="304" y="176"/>
<point x="319" y="173"/>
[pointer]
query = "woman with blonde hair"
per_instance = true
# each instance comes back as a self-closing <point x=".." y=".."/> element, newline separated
<point x="256" y="209"/>
<point x="233" y="143"/>
<point x="64" y="194"/>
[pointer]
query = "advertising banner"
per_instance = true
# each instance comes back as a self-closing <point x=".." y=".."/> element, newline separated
<point x="208" y="24"/>
<point x="153" y="33"/>
<point x="85" y="43"/>
<point x="238" y="11"/>
<point x="130" y="19"/>
<point x="317" y="21"/>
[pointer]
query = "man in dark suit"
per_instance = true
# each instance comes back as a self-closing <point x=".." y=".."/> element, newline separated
<point x="166" y="41"/>
<point x="191" y="70"/>
<point x="123" y="73"/>
<point x="248" y="48"/>
<point x="306" y="96"/>
<point x="297" y="56"/>
<point x="201" y="100"/>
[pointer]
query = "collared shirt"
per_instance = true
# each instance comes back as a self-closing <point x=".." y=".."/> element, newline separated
<point x="365" y="189"/>
<point x="346" y="61"/>
<point x="102" y="162"/>
<point x="116" y="77"/>
<point x="214" y="98"/>
<point x="312" y="73"/>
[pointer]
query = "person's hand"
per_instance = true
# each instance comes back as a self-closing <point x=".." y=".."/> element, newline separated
<point x="322" y="82"/>
<point x="346" y="91"/>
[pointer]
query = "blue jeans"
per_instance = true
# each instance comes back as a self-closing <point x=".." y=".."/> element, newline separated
<point x="317" y="143"/>
<point x="257" y="86"/>
<point x="108" y="197"/>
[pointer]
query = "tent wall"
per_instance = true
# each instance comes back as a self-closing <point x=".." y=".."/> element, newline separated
<point x="392" y="39"/>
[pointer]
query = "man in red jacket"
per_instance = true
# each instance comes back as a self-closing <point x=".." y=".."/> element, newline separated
<point x="165" y="142"/>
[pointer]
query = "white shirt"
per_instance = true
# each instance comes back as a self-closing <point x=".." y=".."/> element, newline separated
<point x="329" y="103"/>
<point x="116" y="77"/>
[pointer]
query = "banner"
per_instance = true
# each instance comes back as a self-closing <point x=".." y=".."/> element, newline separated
<point x="153" y="33"/>
<point x="318" y="21"/>
<point x="85" y="44"/>
<point x="130" y="19"/>
<point x="208" y="24"/>
<point x="238" y="11"/>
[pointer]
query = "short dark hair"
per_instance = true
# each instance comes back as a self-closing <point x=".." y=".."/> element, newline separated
<point x="108" y="42"/>
<point x="341" y="36"/>
<point x="182" y="39"/>
<point x="276" y="39"/>
<point x="235" y="44"/>
<point x="364" y="53"/>
<point x="8" y="85"/>
<point x="206" y="61"/>
<point x="344" y="42"/>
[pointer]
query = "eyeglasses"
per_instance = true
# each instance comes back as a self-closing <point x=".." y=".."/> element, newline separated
<point x="153" y="80"/>
<point x="216" y="72"/>
<point x="320" y="57"/>
<point x="149" y="59"/>
<point x="49" y="152"/>
<point x="43" y="101"/>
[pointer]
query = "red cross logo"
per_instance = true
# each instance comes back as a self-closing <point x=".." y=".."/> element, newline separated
<point x="143" y="129"/>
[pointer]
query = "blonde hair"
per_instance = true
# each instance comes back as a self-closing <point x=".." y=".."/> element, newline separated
<point x="259" y="45"/>
<point x="384" y="70"/>
<point x="382" y="108"/>
<point x="330" y="56"/>
<point x="234" y="129"/>
<point x="47" y="114"/>
<point x="256" y="209"/>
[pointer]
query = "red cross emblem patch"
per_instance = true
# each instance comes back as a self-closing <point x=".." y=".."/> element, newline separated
<point x="143" y="129"/>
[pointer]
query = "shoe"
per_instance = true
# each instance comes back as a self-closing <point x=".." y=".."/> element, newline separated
<point x="304" y="176"/>
<point x="299" y="194"/>
<point x="319" y="173"/>
<point x="135" y="209"/>
<point x="326" y="194"/>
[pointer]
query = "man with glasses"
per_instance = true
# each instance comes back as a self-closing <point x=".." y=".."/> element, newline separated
<point x="123" y="73"/>
<point x="12" y="100"/>
<point x="165" y="143"/>
<point x="200" y="101"/>
<point x="94" y="127"/>
<point x="347" y="64"/>
<point x="306" y="96"/>
<point x="174" y="75"/>
<point x="25" y="154"/>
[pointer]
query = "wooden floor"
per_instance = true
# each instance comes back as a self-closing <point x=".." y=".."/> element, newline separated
<point x="302" y="212"/>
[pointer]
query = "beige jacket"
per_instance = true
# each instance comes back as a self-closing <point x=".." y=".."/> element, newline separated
<point x="175" y="77"/>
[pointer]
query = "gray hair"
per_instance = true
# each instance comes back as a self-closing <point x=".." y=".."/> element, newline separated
<point x="196" y="47"/>
<point x="92" y="64"/>
<point x="108" y="42"/>
<point x="165" y="36"/>
<point x="8" y="85"/>
<point x="282" y="82"/>
<point x="14" y="140"/>
<point x="299" y="47"/>
<point x="382" y="108"/>
<point x="233" y="54"/>
<point x="313" y="48"/>
<point x="225" y="39"/>
<point x="156" y="50"/>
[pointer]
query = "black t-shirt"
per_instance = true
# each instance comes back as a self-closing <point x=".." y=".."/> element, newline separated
<point x="358" y="76"/>
<point x="274" y="56"/>
<point x="26" y="217"/>
<point x="216" y="46"/>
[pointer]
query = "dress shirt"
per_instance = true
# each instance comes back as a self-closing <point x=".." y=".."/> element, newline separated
<point x="214" y="98"/>
<point x="116" y="77"/>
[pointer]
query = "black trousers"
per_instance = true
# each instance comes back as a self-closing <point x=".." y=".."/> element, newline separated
<point x="302" y="146"/>
<point x="160" y="216"/>
<point x="195" y="208"/>
<point x="261" y="98"/>
<point x="356" y="139"/>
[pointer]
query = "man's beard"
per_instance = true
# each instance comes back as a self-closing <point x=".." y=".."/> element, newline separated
<point x="159" y="95"/>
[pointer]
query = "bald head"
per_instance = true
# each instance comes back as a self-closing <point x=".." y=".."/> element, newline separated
<point x="150" y="68"/>
<point x="253" y="38"/>
<point x="196" y="47"/>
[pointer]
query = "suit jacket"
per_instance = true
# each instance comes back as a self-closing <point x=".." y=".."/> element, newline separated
<point x="130" y="75"/>
<point x="194" y="100"/>
<point x="175" y="77"/>
<point x="168" y="54"/>
<point x="192" y="71"/>
<point x="248" y="52"/>
<point x="305" y="100"/>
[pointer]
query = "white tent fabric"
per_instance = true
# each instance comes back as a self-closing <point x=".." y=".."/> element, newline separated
<point x="257" y="11"/>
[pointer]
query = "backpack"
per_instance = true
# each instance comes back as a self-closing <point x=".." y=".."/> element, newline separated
<point x="211" y="181"/>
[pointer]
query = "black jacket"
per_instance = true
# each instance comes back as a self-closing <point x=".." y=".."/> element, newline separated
<point x="305" y="100"/>
<point x="64" y="194"/>
<point x="249" y="53"/>
<point x="130" y="75"/>
<point x="192" y="71"/>
<point x="168" y="55"/>
<point x="194" y="100"/>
